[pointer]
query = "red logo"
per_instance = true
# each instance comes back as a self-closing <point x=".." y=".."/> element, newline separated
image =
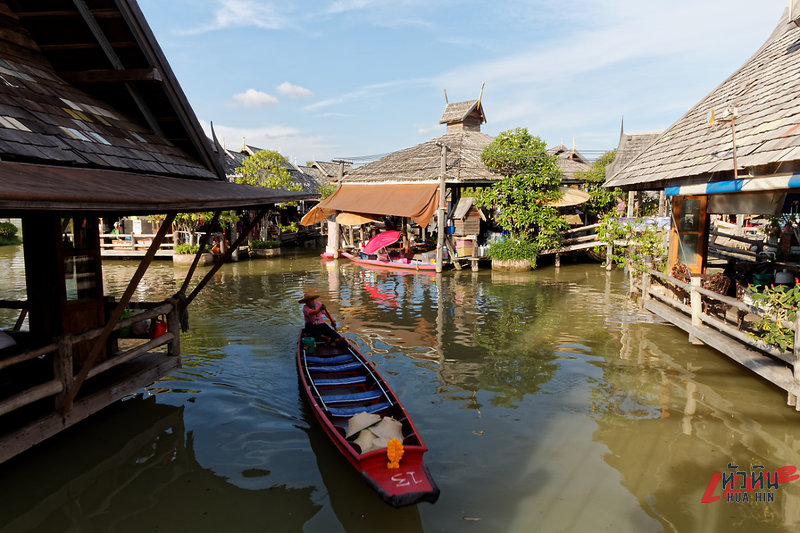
<point x="757" y="485"/>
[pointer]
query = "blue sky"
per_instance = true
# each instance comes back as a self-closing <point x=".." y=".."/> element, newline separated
<point x="346" y="78"/>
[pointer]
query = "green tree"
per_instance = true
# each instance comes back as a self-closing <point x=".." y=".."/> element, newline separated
<point x="326" y="189"/>
<point x="530" y="180"/>
<point x="266" y="169"/>
<point x="601" y="199"/>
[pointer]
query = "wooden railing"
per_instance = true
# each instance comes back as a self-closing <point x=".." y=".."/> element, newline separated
<point x="131" y="241"/>
<point x="61" y="351"/>
<point x="694" y="310"/>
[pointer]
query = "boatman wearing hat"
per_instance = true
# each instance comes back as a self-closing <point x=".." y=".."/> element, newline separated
<point x="314" y="313"/>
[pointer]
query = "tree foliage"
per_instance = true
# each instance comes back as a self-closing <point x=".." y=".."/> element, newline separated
<point x="601" y="199"/>
<point x="530" y="180"/>
<point x="266" y="169"/>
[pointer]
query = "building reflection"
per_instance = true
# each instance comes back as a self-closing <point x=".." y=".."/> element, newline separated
<point x="140" y="472"/>
<point x="681" y="403"/>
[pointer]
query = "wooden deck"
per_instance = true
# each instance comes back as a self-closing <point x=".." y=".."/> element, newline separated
<point x="36" y="404"/>
<point x="779" y="367"/>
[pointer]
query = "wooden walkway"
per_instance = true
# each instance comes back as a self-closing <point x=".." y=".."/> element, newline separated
<point x="779" y="367"/>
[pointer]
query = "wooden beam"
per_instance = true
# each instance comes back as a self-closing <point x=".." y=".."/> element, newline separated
<point x="97" y="13"/>
<point x="144" y="371"/>
<point x="84" y="46"/>
<point x="200" y="251"/>
<point x="111" y="76"/>
<point x="117" y="312"/>
<point x="245" y="232"/>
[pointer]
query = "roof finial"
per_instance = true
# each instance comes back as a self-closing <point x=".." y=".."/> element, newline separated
<point x="573" y="148"/>
<point x="446" y="101"/>
<point x="481" y="94"/>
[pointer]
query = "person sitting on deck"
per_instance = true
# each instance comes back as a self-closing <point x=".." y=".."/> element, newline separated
<point x="313" y="312"/>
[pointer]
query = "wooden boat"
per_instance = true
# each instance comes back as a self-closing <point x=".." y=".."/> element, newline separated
<point x="404" y="264"/>
<point x="338" y="382"/>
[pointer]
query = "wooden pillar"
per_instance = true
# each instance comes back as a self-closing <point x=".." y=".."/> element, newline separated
<point x="558" y="260"/>
<point x="609" y="254"/>
<point x="174" y="327"/>
<point x="662" y="204"/>
<point x="631" y="201"/>
<point x="697" y="308"/>
<point x="796" y="364"/>
<point x="234" y="236"/>
<point x="62" y="371"/>
<point x="645" y="288"/>
<point x="333" y="239"/>
<point x="441" y="212"/>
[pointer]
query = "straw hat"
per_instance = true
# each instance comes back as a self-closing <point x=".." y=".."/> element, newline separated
<point x="388" y="428"/>
<point x="362" y="420"/>
<point x="307" y="297"/>
<point x="365" y="440"/>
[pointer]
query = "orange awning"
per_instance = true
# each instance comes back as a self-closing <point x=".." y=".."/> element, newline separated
<point x="417" y="201"/>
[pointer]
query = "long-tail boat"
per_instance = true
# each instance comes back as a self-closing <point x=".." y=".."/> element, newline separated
<point x="358" y="411"/>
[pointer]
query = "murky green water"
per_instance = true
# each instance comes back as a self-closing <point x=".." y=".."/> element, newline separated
<point x="548" y="402"/>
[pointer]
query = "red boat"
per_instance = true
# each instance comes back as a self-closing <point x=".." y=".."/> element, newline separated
<point x="342" y="387"/>
<point x="404" y="264"/>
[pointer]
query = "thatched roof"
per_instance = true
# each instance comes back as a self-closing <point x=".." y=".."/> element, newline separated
<point x="766" y="93"/>
<point x="423" y="162"/>
<point x="569" y="161"/>
<point x="459" y="111"/>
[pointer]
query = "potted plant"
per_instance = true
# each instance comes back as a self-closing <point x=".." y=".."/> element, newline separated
<point x="259" y="248"/>
<point x="184" y="255"/>
<point x="520" y="199"/>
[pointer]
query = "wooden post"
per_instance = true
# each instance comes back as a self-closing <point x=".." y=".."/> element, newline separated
<point x="609" y="254"/>
<point x="558" y="260"/>
<point x="218" y="265"/>
<point x="796" y="364"/>
<point x="174" y="327"/>
<point x="645" y="288"/>
<point x="697" y="308"/>
<point x="441" y="212"/>
<point x="62" y="371"/>
<point x="333" y="239"/>
<point x="203" y="245"/>
<point x="117" y="312"/>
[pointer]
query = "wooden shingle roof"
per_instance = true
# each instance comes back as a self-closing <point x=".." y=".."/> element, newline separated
<point x="630" y="145"/>
<point x="766" y="92"/>
<point x="569" y="161"/>
<point x="84" y="85"/>
<point x="423" y="162"/>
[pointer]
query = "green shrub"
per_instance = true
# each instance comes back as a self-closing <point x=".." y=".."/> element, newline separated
<point x="260" y="245"/>
<point x="511" y="248"/>
<point x="8" y="230"/>
<point x="8" y="233"/>
<point x="184" y="248"/>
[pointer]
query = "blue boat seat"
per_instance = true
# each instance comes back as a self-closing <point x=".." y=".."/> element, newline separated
<point x="330" y="369"/>
<point x="347" y="412"/>
<point x="340" y="382"/>
<point x="329" y="360"/>
<point x="353" y="397"/>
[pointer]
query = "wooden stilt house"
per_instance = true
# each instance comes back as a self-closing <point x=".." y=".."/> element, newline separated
<point x="416" y="182"/>
<point x="93" y="124"/>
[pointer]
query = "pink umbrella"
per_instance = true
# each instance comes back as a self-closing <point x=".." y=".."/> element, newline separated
<point x="380" y="240"/>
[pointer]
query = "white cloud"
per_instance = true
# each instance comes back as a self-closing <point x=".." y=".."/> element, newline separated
<point x="375" y="90"/>
<point x="254" y="98"/>
<point x="293" y="91"/>
<point x="287" y="140"/>
<point x="342" y="6"/>
<point x="243" y="13"/>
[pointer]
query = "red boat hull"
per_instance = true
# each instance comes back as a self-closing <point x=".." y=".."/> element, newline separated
<point x="391" y="264"/>
<point x="411" y="482"/>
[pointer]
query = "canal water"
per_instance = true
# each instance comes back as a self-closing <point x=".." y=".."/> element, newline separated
<point x="547" y="400"/>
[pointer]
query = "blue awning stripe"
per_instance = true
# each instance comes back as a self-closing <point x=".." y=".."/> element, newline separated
<point x="771" y="183"/>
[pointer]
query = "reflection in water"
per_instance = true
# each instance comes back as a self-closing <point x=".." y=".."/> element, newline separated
<point x="547" y="400"/>
<point x="141" y="472"/>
